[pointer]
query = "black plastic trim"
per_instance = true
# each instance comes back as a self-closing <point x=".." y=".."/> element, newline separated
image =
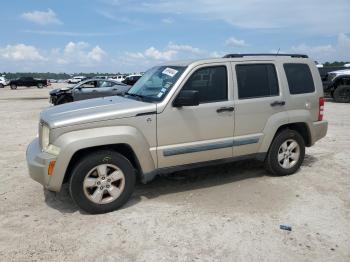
<point x="146" y="113"/>
<point x="243" y="55"/>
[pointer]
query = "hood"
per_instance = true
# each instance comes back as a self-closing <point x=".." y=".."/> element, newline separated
<point x="341" y="72"/>
<point x="92" y="110"/>
<point x="61" y="90"/>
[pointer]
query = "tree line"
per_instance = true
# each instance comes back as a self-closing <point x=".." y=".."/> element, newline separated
<point x="63" y="76"/>
<point x="57" y="76"/>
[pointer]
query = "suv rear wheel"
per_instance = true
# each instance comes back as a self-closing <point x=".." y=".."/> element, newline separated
<point x="286" y="153"/>
<point x="102" y="182"/>
<point x="342" y="94"/>
<point x="40" y="85"/>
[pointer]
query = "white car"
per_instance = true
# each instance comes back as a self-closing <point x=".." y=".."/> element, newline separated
<point x="3" y="82"/>
<point x="76" y="79"/>
<point x="118" y="78"/>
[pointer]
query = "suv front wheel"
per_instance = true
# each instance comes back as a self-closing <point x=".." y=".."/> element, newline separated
<point x="102" y="182"/>
<point x="286" y="153"/>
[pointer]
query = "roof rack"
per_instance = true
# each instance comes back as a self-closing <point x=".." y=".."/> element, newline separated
<point x="271" y="54"/>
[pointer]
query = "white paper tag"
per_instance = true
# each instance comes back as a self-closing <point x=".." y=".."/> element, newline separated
<point x="170" y="72"/>
<point x="160" y="95"/>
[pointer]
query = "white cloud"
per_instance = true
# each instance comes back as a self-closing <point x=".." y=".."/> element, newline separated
<point x="80" y="53"/>
<point x="21" y="52"/>
<point x="184" y="48"/>
<point x="42" y="17"/>
<point x="340" y="50"/>
<point x="96" y="54"/>
<point x="154" y="53"/>
<point x="168" y="20"/>
<point x="172" y="51"/>
<point x="216" y="54"/>
<point x="316" y="16"/>
<point x="73" y="57"/>
<point x="234" y="42"/>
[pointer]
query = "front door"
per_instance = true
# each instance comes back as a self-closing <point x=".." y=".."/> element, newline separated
<point x="200" y="133"/>
<point x="86" y="90"/>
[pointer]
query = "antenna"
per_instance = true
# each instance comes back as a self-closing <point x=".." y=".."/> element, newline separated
<point x="278" y="51"/>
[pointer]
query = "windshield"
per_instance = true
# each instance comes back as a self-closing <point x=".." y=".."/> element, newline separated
<point x="156" y="83"/>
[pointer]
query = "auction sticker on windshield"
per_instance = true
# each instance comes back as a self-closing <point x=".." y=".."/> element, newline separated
<point x="169" y="71"/>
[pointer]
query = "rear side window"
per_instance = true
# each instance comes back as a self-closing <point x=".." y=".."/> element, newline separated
<point x="299" y="78"/>
<point x="256" y="80"/>
<point x="210" y="82"/>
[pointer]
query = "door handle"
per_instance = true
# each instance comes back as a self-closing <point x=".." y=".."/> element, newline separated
<point x="225" y="109"/>
<point x="278" y="103"/>
<point x="94" y="91"/>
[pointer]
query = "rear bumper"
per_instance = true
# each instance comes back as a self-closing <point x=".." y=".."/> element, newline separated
<point x="38" y="163"/>
<point x="319" y="130"/>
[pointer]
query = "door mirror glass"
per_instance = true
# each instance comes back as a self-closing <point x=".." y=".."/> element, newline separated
<point x="186" y="98"/>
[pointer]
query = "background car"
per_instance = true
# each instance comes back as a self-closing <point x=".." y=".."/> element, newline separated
<point x="118" y="78"/>
<point x="28" y="82"/>
<point x="3" y="82"/>
<point x="88" y="89"/>
<point x="76" y="79"/>
<point x="337" y="85"/>
<point x="131" y="79"/>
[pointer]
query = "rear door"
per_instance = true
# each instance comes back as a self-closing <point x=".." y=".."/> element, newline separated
<point x="258" y="97"/>
<point x="107" y="88"/>
<point x="301" y="81"/>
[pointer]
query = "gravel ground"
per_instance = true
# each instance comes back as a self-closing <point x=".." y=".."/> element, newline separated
<point x="225" y="213"/>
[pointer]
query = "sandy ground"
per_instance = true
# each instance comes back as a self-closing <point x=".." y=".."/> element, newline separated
<point x="224" y="213"/>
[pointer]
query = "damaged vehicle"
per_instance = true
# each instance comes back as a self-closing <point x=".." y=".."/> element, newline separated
<point x="88" y="89"/>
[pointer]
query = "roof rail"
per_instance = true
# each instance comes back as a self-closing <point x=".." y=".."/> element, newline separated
<point x="271" y="54"/>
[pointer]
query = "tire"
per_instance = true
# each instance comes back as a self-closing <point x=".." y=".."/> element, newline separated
<point x="40" y="86"/>
<point x="342" y="94"/>
<point x="1" y="86"/>
<point x="277" y="159"/>
<point x="13" y="86"/>
<point x="86" y="192"/>
<point x="63" y="100"/>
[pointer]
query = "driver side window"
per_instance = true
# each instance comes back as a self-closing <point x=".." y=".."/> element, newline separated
<point x="90" y="84"/>
<point x="210" y="82"/>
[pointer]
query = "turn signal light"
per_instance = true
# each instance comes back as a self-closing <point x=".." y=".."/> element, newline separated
<point x="51" y="167"/>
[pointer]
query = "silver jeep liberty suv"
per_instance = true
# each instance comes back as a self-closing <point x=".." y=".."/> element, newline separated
<point x="177" y="116"/>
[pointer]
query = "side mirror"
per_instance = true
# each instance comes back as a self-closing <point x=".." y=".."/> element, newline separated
<point x="187" y="98"/>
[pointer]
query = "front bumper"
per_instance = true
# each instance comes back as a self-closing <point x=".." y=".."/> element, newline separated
<point x="38" y="163"/>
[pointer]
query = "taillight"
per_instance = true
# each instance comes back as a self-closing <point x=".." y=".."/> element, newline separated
<point x="320" y="109"/>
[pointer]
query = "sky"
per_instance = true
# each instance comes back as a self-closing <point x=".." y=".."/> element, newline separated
<point x="130" y="36"/>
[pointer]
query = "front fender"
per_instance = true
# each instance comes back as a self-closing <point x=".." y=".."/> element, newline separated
<point x="71" y="142"/>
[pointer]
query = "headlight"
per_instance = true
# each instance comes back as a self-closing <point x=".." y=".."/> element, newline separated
<point x="45" y="141"/>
